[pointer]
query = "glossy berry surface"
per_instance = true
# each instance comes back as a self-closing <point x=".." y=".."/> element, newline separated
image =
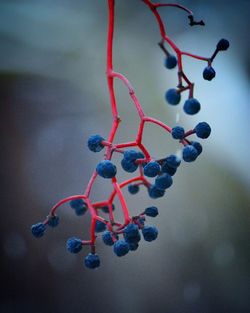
<point x="209" y="73"/>
<point x="149" y="233"/>
<point x="191" y="106"/>
<point x="178" y="132"/>
<point x="121" y="248"/>
<point x="92" y="261"/>
<point x="170" y="62"/>
<point x="189" y="153"/>
<point x="95" y="143"/>
<point x="38" y="230"/>
<point x="151" y="211"/>
<point x="203" y="130"/>
<point x="173" y="96"/>
<point x="74" y="245"/>
<point x="106" y="169"/>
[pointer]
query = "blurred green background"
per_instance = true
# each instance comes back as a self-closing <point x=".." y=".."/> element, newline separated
<point x="54" y="95"/>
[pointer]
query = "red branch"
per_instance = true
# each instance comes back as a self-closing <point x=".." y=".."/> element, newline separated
<point x="112" y="147"/>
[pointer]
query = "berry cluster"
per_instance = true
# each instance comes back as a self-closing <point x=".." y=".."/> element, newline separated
<point x="156" y="175"/>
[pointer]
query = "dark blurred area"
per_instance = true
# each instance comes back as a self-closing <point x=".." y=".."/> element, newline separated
<point x="53" y="96"/>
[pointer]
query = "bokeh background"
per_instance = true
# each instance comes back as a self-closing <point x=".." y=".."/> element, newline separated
<point x="53" y="96"/>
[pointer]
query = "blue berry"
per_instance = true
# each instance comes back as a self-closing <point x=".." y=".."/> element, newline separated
<point x="178" y="132"/>
<point x="92" y="261"/>
<point x="53" y="220"/>
<point x="223" y="45"/>
<point x="133" y="189"/>
<point x="79" y="206"/>
<point x="189" y="153"/>
<point x="105" y="208"/>
<point x="149" y="233"/>
<point x="107" y="238"/>
<point x="38" y="230"/>
<point x="74" y="245"/>
<point x="151" y="211"/>
<point x="132" y="155"/>
<point x="209" y="73"/>
<point x="203" y="130"/>
<point x="121" y="247"/>
<point x="172" y="161"/>
<point x="133" y="246"/>
<point x="163" y="181"/>
<point x="191" y="106"/>
<point x="95" y="143"/>
<point x="173" y="96"/>
<point x="99" y="226"/>
<point x="129" y="166"/>
<point x="152" y="169"/>
<point x="155" y="193"/>
<point x="167" y="169"/>
<point x="197" y="146"/>
<point x="131" y="233"/>
<point x="170" y="62"/>
<point x="106" y="169"/>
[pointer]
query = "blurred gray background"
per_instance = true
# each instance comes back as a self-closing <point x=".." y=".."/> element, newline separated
<point x="54" y="95"/>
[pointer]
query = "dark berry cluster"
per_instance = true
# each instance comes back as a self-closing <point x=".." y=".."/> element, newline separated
<point x="156" y="175"/>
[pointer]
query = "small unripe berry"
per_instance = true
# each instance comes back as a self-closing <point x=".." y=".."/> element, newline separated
<point x="38" y="230"/>
<point x="92" y="261"/>
<point x="151" y="211"/>
<point x="121" y="248"/>
<point x="209" y="73"/>
<point x="203" y="130"/>
<point x="53" y="220"/>
<point x="173" y="96"/>
<point x="74" y="245"/>
<point x="133" y="189"/>
<point x="170" y="62"/>
<point x="163" y="181"/>
<point x="107" y="238"/>
<point x="178" y="132"/>
<point x="99" y="226"/>
<point x="223" y="45"/>
<point x="152" y="169"/>
<point x="95" y="143"/>
<point x="189" y="153"/>
<point x="106" y="169"/>
<point x="149" y="233"/>
<point x="191" y="106"/>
